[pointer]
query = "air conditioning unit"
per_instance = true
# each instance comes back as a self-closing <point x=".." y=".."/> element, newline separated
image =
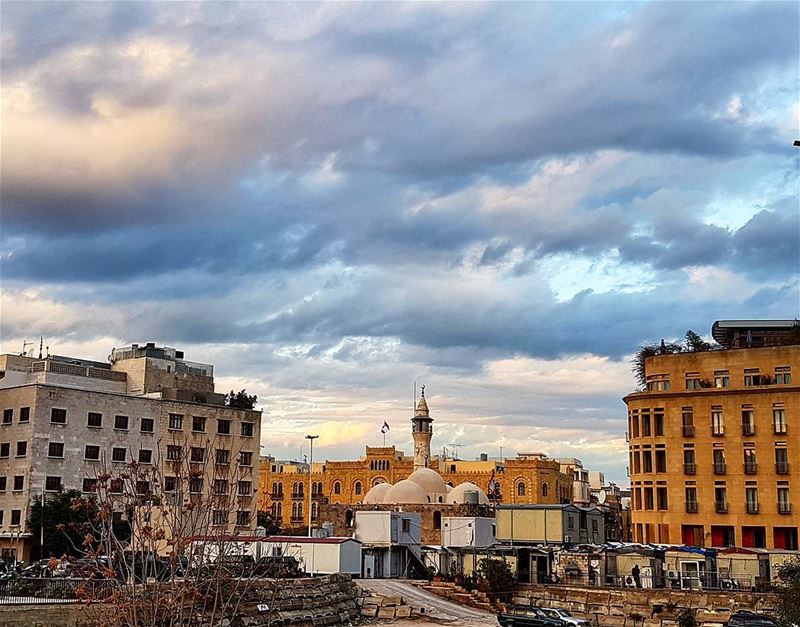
<point x="567" y="539"/>
<point x="630" y="582"/>
<point x="673" y="575"/>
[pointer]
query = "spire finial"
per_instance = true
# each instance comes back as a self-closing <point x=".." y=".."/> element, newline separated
<point x="423" y="391"/>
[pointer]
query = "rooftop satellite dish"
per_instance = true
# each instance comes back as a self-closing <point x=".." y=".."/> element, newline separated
<point x="601" y="497"/>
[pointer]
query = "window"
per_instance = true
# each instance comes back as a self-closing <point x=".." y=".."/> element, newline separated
<point x="223" y="427"/>
<point x="170" y="483"/>
<point x="784" y="504"/>
<point x="8" y="416"/>
<point x="658" y="383"/>
<point x="22" y="448"/>
<point x="521" y="488"/>
<point x="16" y="517"/>
<point x="197" y="454"/>
<point x="751" y="500"/>
<point x="92" y="452"/>
<point x="689" y="461"/>
<point x="245" y="458"/>
<point x="223" y="456"/>
<point x="94" y="419"/>
<point x="357" y="488"/>
<point x="781" y="461"/>
<point x="690" y="494"/>
<point x="121" y="423"/>
<point x="55" y="449"/>
<point x="750" y="466"/>
<point x="545" y="489"/>
<point x="52" y="484"/>
<point x="637" y="466"/>
<point x="661" y="498"/>
<point x="751" y="377"/>
<point x="24" y="414"/>
<point x="661" y="461"/>
<point x="748" y="422"/>
<point x="245" y="488"/>
<point x="247" y="429"/>
<point x="648" y="498"/>
<point x="719" y="461"/>
<point x="195" y="485"/>
<point x="220" y="486"/>
<point x="145" y="456"/>
<point x="89" y="484"/>
<point x="173" y="453"/>
<point x="687" y="422"/>
<point x="646" y="424"/>
<point x="337" y="488"/>
<point x="634" y="425"/>
<point x="58" y="416"/>
<point x="198" y="423"/>
<point x="406" y="525"/>
<point x="115" y="486"/>
<point x="5" y="449"/>
<point x="142" y="487"/>
<point x="717" y="422"/>
<point x="176" y="422"/>
<point x="647" y="461"/>
<point x="658" y="423"/>
<point x="218" y="517"/>
<point x="119" y="454"/>
<point x="3" y="483"/>
<point x="243" y="517"/>
<point x="147" y="425"/>
<point x="693" y="381"/>
<point x="721" y="499"/>
<point x="570" y="523"/>
<point x="779" y="420"/>
<point x="783" y="376"/>
<point x="722" y="379"/>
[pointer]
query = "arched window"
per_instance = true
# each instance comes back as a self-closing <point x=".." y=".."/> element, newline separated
<point x="280" y="488"/>
<point x="437" y="520"/>
<point x="378" y="480"/>
<point x="357" y="487"/>
<point x="274" y="488"/>
<point x="521" y="488"/>
<point x="279" y="515"/>
<point x="300" y="510"/>
<point x="337" y="487"/>
<point x="274" y="510"/>
<point x="545" y="489"/>
<point x="319" y="488"/>
<point x="294" y="510"/>
<point x="314" y="511"/>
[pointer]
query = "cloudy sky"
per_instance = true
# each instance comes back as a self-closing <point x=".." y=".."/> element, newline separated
<point x="330" y="202"/>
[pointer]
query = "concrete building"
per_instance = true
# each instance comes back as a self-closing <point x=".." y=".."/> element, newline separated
<point x="391" y="542"/>
<point x="66" y="419"/>
<point x="549" y="524"/>
<point x="468" y="532"/>
<point x="317" y="556"/>
<point x="714" y="451"/>
<point x="581" y="494"/>
<point x="526" y="478"/>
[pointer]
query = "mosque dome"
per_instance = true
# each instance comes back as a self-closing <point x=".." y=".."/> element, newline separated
<point x="458" y="495"/>
<point x="405" y="492"/>
<point x="376" y="493"/>
<point x="431" y="483"/>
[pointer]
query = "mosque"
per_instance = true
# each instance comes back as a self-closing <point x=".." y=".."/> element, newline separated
<point x="386" y="478"/>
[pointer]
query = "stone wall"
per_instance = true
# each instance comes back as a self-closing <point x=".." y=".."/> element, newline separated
<point x="612" y="607"/>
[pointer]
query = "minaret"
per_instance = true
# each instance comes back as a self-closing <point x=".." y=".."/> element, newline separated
<point x="422" y="429"/>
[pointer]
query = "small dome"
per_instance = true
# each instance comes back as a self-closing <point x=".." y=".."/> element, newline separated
<point x="430" y="481"/>
<point x="405" y="492"/>
<point x="376" y="493"/>
<point x="458" y="495"/>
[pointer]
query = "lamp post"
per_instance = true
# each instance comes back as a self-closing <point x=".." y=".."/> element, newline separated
<point x="311" y="439"/>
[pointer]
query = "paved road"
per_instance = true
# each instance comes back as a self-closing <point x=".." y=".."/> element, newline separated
<point x="436" y="608"/>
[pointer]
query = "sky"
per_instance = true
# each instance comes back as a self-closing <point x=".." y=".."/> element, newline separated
<point x="331" y="202"/>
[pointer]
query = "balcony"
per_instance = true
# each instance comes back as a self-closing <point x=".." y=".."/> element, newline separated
<point x="720" y="468"/>
<point x="691" y="507"/>
<point x="784" y="508"/>
<point x="721" y="507"/>
<point x="276" y="496"/>
<point x="690" y="469"/>
<point x="298" y="495"/>
<point x="717" y="431"/>
<point x="752" y="508"/>
<point x="750" y="468"/>
<point x="782" y="468"/>
<point x="296" y="520"/>
<point x="688" y="431"/>
<point x="748" y="429"/>
<point x="780" y="430"/>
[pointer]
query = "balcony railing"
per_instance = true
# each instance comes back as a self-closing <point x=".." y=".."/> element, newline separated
<point x="688" y="431"/>
<point x="721" y="507"/>
<point x="750" y="468"/>
<point x="779" y="429"/>
<point x="784" y="508"/>
<point x="276" y="495"/>
<point x="752" y="508"/>
<point x="298" y="495"/>
<point x="748" y="429"/>
<point x="782" y="468"/>
<point x="720" y="468"/>
<point x="689" y="469"/>
<point x="691" y="507"/>
<point x="717" y="431"/>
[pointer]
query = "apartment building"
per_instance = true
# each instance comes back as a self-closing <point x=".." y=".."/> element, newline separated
<point x="714" y="445"/>
<point x="64" y="419"/>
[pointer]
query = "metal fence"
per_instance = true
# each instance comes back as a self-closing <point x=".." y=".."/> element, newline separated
<point x="47" y="590"/>
<point x="670" y="580"/>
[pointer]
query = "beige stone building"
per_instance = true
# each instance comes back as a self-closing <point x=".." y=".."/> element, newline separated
<point x="64" y="419"/>
<point x="714" y="446"/>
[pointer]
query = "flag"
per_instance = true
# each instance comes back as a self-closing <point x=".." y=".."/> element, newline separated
<point x="385" y="427"/>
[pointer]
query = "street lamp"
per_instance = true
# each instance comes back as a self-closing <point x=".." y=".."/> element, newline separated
<point x="311" y="439"/>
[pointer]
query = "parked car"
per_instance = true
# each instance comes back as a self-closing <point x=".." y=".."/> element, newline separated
<point x="523" y="616"/>
<point x="746" y="618"/>
<point x="565" y="616"/>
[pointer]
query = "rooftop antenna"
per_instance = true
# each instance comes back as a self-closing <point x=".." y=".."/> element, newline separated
<point x="41" y="342"/>
<point x="455" y="446"/>
<point x="25" y="344"/>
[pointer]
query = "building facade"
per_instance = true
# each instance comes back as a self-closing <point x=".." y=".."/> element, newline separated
<point x="67" y="421"/>
<point x="714" y="445"/>
<point x="527" y="478"/>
